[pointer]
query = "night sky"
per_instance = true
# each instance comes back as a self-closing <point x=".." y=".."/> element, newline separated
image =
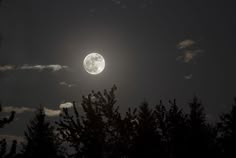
<point x="154" y="49"/>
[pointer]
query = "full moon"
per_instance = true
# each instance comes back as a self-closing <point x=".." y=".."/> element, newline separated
<point x="94" y="63"/>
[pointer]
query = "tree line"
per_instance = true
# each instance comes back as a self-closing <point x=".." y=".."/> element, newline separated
<point x="99" y="130"/>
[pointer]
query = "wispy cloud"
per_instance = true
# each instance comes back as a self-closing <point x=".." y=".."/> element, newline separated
<point x="52" y="67"/>
<point x="18" y="110"/>
<point x="188" y="77"/>
<point x="43" y="67"/>
<point x="48" y="112"/>
<point x="63" y="83"/>
<point x="188" y="51"/>
<point x="6" y="68"/>
<point x="185" y="44"/>
<point x="51" y="112"/>
<point x="66" y="105"/>
<point x="189" y="55"/>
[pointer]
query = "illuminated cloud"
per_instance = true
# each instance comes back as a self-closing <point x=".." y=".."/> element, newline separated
<point x="53" y="67"/>
<point x="47" y="111"/>
<point x="185" y="44"/>
<point x="18" y="110"/>
<point x="188" y="51"/>
<point x="51" y="112"/>
<point x="66" y="105"/>
<point x="6" y="68"/>
<point x="43" y="67"/>
<point x="189" y="55"/>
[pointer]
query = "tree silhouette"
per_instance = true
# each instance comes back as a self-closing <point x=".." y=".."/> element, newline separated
<point x="93" y="134"/>
<point x="99" y="130"/>
<point x="3" y="143"/>
<point x="96" y="128"/>
<point x="40" y="138"/>
<point x="6" y="120"/>
<point x="147" y="139"/>
<point x="127" y="132"/>
<point x="3" y="149"/>
<point x="227" y="128"/>
<point x="201" y="136"/>
<point x="176" y="123"/>
<point x="70" y="129"/>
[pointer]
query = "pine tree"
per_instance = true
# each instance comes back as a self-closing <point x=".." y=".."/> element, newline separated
<point x="127" y="133"/>
<point x="197" y="116"/>
<point x="200" y="134"/>
<point x="176" y="131"/>
<point x="147" y="140"/>
<point x="93" y="134"/>
<point x="227" y="128"/>
<point x="70" y="129"/>
<point x="40" y="138"/>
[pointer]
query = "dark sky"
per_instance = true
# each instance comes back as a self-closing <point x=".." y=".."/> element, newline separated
<point x="154" y="49"/>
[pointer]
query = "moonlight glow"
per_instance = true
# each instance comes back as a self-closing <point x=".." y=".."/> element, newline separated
<point x="94" y="63"/>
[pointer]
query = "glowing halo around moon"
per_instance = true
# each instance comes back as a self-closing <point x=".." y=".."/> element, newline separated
<point x="94" y="63"/>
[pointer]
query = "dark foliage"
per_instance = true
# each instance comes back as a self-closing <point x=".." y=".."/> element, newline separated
<point x="176" y="131"/>
<point x="3" y="149"/>
<point x="146" y="137"/>
<point x="3" y="143"/>
<point x="201" y="135"/>
<point x="227" y="128"/>
<point x="41" y="141"/>
<point x="93" y="134"/>
<point x="6" y="120"/>
<point x="99" y="130"/>
<point x="96" y="128"/>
